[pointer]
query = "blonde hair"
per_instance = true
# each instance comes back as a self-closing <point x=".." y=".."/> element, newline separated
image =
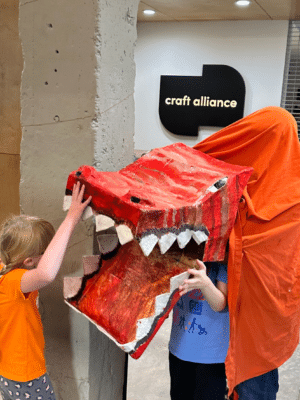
<point x="23" y="236"/>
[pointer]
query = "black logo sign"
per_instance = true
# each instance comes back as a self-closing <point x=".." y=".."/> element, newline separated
<point x="216" y="98"/>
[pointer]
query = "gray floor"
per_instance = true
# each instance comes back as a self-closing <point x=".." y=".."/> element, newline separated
<point x="151" y="369"/>
<point x="148" y="377"/>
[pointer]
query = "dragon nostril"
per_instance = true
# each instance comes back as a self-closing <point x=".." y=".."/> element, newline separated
<point x="135" y="199"/>
<point x="78" y="173"/>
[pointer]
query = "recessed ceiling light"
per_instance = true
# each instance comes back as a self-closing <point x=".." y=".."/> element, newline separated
<point x="149" y="12"/>
<point x="242" y="3"/>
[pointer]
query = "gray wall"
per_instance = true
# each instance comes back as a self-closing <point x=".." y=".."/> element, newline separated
<point x="76" y="108"/>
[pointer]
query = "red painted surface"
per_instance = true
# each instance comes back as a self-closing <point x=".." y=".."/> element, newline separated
<point x="125" y="288"/>
<point x="171" y="184"/>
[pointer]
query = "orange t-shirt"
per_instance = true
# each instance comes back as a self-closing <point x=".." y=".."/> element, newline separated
<point x="21" y="331"/>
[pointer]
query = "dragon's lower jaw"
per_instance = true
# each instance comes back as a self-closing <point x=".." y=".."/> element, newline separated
<point x="130" y="290"/>
<point x="132" y="294"/>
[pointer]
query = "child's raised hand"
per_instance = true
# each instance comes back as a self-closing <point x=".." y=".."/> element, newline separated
<point x="199" y="280"/>
<point x="77" y="206"/>
<point x="50" y="262"/>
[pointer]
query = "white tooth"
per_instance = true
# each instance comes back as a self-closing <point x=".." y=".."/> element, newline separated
<point x="67" y="202"/>
<point x="103" y="222"/>
<point x="183" y="238"/>
<point x="147" y="243"/>
<point x="107" y="242"/>
<point x="166" y="241"/>
<point x="87" y="213"/>
<point x="124" y="233"/>
<point x="199" y="237"/>
<point x="72" y="286"/>
<point x="90" y="264"/>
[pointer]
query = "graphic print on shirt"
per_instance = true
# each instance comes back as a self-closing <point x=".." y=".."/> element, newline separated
<point x="202" y="331"/>
<point x="196" y="302"/>
<point x="194" y="306"/>
<point x="193" y="324"/>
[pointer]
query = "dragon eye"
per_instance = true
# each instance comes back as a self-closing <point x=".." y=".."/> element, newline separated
<point x="222" y="182"/>
<point x="78" y="173"/>
<point x="135" y="199"/>
<point x="218" y="185"/>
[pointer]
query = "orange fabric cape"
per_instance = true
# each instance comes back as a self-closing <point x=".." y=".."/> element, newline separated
<point x="264" y="246"/>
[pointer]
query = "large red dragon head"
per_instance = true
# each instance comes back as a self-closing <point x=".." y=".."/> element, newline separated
<point x="153" y="219"/>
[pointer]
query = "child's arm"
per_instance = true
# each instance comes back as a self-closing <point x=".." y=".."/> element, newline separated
<point x="216" y="296"/>
<point x="50" y="262"/>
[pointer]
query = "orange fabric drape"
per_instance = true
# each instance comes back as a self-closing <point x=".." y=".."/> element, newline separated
<point x="264" y="248"/>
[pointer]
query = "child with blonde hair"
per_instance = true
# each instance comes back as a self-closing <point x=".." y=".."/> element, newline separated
<point x="31" y="254"/>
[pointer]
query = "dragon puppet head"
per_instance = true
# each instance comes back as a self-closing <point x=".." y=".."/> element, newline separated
<point x="153" y="219"/>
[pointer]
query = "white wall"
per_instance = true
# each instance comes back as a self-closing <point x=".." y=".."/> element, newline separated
<point x="256" y="49"/>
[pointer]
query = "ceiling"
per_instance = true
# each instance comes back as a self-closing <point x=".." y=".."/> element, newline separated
<point x="218" y="10"/>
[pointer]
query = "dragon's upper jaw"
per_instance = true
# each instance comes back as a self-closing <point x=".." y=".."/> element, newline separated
<point x="172" y="195"/>
<point x="110" y="234"/>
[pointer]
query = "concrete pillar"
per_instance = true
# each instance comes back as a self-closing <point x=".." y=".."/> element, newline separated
<point x="77" y="108"/>
<point x="114" y="130"/>
<point x="11" y="64"/>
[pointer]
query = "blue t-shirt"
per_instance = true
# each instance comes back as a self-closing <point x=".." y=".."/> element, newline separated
<point x="200" y="334"/>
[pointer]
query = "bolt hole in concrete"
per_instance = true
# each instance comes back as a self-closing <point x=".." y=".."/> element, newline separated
<point x="46" y="83"/>
<point x="50" y="25"/>
<point x="56" y="118"/>
<point x="56" y="51"/>
<point x="55" y="70"/>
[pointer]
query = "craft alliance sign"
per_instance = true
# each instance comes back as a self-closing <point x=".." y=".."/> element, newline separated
<point x="216" y="98"/>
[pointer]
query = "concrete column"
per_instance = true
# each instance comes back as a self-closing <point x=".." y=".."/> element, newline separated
<point x="114" y="129"/>
<point x="77" y="108"/>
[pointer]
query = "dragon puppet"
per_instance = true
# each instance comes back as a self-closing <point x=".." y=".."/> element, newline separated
<point x="176" y="204"/>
